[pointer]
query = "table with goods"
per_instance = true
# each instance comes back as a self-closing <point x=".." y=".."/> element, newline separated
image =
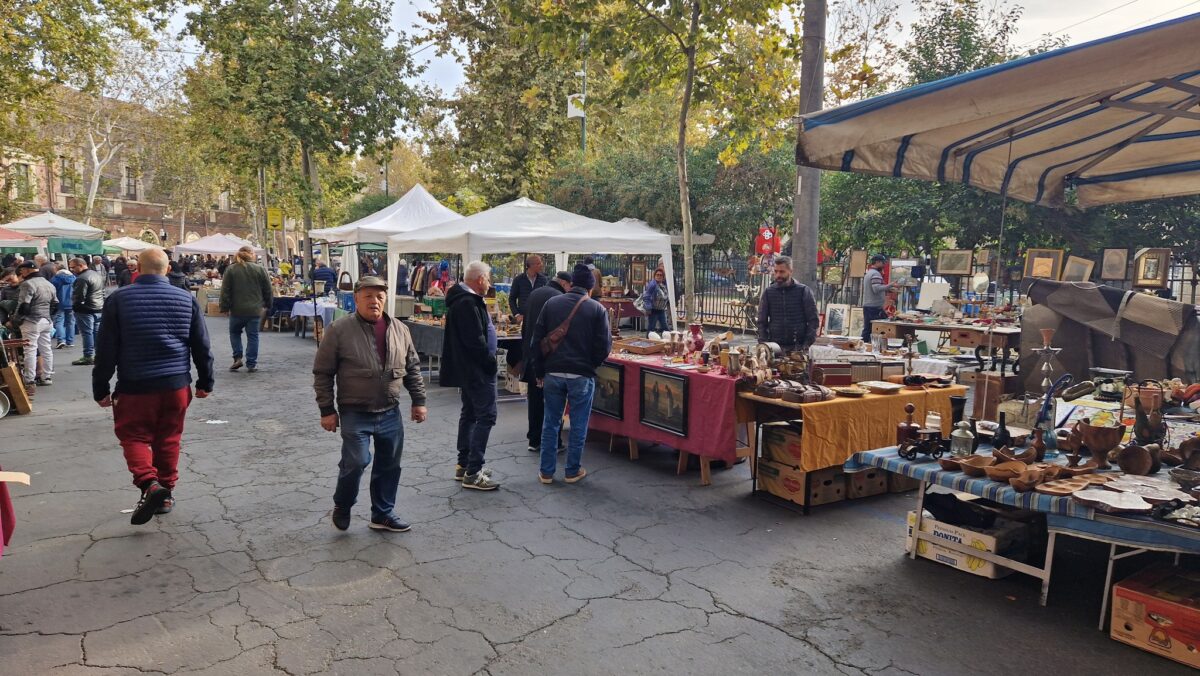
<point x="999" y="333"/>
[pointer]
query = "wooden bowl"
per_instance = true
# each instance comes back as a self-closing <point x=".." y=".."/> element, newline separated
<point x="974" y="465"/>
<point x="950" y="464"/>
<point x="1027" y="480"/>
<point x="1100" y="440"/>
<point x="1004" y="471"/>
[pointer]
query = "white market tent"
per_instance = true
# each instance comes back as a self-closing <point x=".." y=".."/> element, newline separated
<point x="127" y="244"/>
<point x="1115" y="119"/>
<point x="525" y="225"/>
<point x="10" y="239"/>
<point x="416" y="209"/>
<point x="47" y="224"/>
<point x="217" y="245"/>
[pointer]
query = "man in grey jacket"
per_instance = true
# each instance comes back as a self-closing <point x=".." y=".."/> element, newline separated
<point x="367" y="356"/>
<point x="34" y="299"/>
<point x="87" y="297"/>
<point x="874" y="294"/>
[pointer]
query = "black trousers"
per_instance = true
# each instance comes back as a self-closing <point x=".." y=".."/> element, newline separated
<point x="871" y="314"/>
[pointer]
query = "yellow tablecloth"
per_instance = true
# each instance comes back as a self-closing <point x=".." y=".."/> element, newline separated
<point x="837" y="429"/>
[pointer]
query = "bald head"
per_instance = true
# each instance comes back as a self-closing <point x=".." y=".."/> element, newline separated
<point x="153" y="261"/>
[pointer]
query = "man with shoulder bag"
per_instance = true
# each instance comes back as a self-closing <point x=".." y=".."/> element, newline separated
<point x="572" y="338"/>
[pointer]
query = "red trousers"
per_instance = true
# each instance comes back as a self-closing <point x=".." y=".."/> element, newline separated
<point x="149" y="427"/>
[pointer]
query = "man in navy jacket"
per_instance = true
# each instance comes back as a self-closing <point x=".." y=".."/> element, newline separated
<point x="152" y="331"/>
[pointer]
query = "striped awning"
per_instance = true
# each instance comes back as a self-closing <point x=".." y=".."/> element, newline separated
<point x="1116" y="119"/>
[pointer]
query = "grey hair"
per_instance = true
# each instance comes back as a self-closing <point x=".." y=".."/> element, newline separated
<point x="784" y="260"/>
<point x="476" y="269"/>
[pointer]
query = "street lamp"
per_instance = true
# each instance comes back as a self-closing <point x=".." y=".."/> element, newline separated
<point x="162" y="235"/>
<point x="383" y="171"/>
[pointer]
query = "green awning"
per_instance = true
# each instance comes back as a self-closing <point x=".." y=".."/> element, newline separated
<point x="75" y="247"/>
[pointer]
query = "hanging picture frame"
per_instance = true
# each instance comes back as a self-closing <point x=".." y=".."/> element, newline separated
<point x="1114" y="265"/>
<point x="902" y="272"/>
<point x="1043" y="263"/>
<point x="854" y="325"/>
<point x="1150" y="268"/>
<point x="837" y="316"/>
<point x="1077" y="269"/>
<point x="637" y="274"/>
<point x="664" y="403"/>
<point x="609" y="397"/>
<point x="858" y="263"/>
<point x="833" y="274"/>
<point x="954" y="262"/>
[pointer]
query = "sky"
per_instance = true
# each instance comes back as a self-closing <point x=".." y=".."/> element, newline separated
<point x="1078" y="20"/>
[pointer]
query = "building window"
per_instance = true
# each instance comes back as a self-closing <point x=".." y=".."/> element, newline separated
<point x="66" y="178"/>
<point x="130" y="184"/>
<point x="22" y="181"/>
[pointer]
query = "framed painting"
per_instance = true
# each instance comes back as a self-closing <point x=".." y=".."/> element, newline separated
<point x="637" y="274"/>
<point x="833" y="274"/>
<point x="836" y="317"/>
<point x="983" y="257"/>
<point x="858" y="263"/>
<point x="1150" y="268"/>
<point x="854" y="326"/>
<point x="954" y="262"/>
<point x="664" y="402"/>
<point x="1114" y="265"/>
<point x="1043" y="263"/>
<point x="1077" y="269"/>
<point x="609" y="397"/>
<point x="902" y="273"/>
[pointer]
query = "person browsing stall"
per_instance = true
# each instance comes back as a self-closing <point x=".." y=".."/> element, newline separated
<point x="874" y="294"/>
<point x="787" y="313"/>
<point x="559" y="284"/>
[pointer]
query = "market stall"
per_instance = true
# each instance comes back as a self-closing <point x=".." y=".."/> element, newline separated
<point x="217" y="245"/>
<point x="126" y="244"/>
<point x="62" y="235"/>
<point x="11" y="240"/>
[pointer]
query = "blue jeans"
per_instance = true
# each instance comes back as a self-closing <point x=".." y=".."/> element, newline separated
<point x="871" y="314"/>
<point x="559" y="391"/>
<point x="89" y="326"/>
<point x="658" y="318"/>
<point x="250" y="325"/>
<point x="476" y="421"/>
<point x="64" y="326"/>
<point x="358" y="429"/>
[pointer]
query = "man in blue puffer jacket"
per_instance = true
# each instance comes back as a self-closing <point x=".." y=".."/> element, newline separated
<point x="64" y="319"/>
<point x="151" y="331"/>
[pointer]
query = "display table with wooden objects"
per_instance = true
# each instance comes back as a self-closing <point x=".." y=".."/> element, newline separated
<point x="983" y="338"/>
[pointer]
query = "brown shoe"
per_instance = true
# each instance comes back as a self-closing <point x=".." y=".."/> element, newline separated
<point x="545" y="479"/>
<point x="576" y="478"/>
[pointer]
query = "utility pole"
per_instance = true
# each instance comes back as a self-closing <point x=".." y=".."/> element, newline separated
<point x="583" y="119"/>
<point x="806" y="209"/>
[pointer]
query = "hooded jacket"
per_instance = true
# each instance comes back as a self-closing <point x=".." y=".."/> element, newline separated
<point x="466" y="357"/>
<point x="63" y="282"/>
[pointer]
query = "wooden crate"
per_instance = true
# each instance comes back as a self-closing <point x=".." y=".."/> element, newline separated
<point x="15" y="388"/>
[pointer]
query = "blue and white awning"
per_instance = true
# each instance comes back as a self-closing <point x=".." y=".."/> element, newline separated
<point x="1116" y="119"/>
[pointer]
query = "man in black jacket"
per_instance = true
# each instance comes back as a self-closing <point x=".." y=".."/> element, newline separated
<point x="525" y="284"/>
<point x="787" y="313"/>
<point x="469" y="363"/>
<point x="533" y="308"/>
<point x="568" y="373"/>
<point x="87" y="297"/>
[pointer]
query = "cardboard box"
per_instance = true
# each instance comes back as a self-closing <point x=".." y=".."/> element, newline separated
<point x="866" y="482"/>
<point x="823" y="486"/>
<point x="213" y="309"/>
<point x="1158" y="610"/>
<point x="781" y="442"/>
<point x="1009" y="539"/>
<point x="898" y="483"/>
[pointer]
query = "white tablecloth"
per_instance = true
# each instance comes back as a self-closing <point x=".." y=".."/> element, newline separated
<point x="323" y="309"/>
<point x="827" y="353"/>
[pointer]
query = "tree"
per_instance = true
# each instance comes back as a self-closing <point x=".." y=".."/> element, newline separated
<point x="368" y="205"/>
<point x="323" y="76"/>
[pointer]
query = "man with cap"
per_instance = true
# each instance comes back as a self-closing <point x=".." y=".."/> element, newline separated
<point x="366" y="358"/>
<point x="787" y="313"/>
<point x="35" y="298"/>
<point x="559" y="284"/>
<point x="567" y="370"/>
<point x="874" y="294"/>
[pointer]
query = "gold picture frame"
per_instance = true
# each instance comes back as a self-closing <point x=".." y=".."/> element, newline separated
<point x="1043" y="264"/>
<point x="1150" y="268"/>
<point x="1078" y="269"/>
<point x="858" y="263"/>
<point x="833" y="274"/>
<point x="637" y="274"/>
<point x="1114" y="265"/>
<point x="954" y="262"/>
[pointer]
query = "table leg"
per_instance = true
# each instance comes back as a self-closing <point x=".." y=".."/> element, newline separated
<point x="979" y="359"/>
<point x="681" y="465"/>
<point x="1046" y="569"/>
<point x="633" y="449"/>
<point x="1003" y="359"/>
<point x="1112" y="556"/>
<point x="705" y="471"/>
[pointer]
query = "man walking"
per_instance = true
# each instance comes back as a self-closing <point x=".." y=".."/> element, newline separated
<point x="87" y="299"/>
<point x="245" y="295"/>
<point x="787" y="314"/>
<point x="570" y="341"/>
<point x="35" y="296"/>
<point x="469" y="363"/>
<point x="153" y="330"/>
<point x="874" y="294"/>
<point x="533" y="307"/>
<point x="366" y="357"/>
<point x="64" y="320"/>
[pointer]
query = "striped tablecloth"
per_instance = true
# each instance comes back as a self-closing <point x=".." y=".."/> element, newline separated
<point x="925" y="469"/>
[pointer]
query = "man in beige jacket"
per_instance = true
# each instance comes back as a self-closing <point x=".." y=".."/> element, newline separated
<point x="367" y="357"/>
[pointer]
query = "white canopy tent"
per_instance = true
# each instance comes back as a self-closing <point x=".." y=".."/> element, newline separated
<point x="10" y="239"/>
<point x="127" y="244"/>
<point x="525" y="225"/>
<point x="416" y="209"/>
<point x="217" y="245"/>
<point x="47" y="224"/>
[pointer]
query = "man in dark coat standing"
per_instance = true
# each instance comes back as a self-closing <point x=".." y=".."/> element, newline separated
<point x="787" y="314"/>
<point x="469" y="363"/>
<point x="152" y="330"/>
<point x="533" y="307"/>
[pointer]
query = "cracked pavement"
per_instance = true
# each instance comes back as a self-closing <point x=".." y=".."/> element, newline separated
<point x="635" y="570"/>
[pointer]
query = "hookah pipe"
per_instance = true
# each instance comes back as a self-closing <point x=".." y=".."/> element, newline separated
<point x="1059" y="385"/>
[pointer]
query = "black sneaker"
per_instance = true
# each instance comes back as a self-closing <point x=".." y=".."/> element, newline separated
<point x="251" y="369"/>
<point x="460" y="472"/>
<point x="61" y="344"/>
<point x="153" y="497"/>
<point x="45" y="382"/>
<point x="341" y="518"/>
<point x="390" y="523"/>
<point x="237" y="364"/>
<point x="535" y="449"/>
<point x="84" y="361"/>
<point x="167" y="506"/>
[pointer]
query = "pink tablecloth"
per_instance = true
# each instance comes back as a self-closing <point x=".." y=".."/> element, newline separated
<point x="8" y="520"/>
<point x="625" y="307"/>
<point x="711" y="421"/>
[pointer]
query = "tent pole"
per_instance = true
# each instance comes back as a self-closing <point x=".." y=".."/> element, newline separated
<point x="999" y="265"/>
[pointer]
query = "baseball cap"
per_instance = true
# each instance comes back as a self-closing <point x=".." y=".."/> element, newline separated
<point x="27" y="265"/>
<point x="564" y="276"/>
<point x="370" y="281"/>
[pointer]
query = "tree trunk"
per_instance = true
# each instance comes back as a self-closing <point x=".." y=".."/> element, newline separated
<point x="269" y="245"/>
<point x="806" y="216"/>
<point x="310" y="174"/>
<point x="685" y="202"/>
<point x="182" y="224"/>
